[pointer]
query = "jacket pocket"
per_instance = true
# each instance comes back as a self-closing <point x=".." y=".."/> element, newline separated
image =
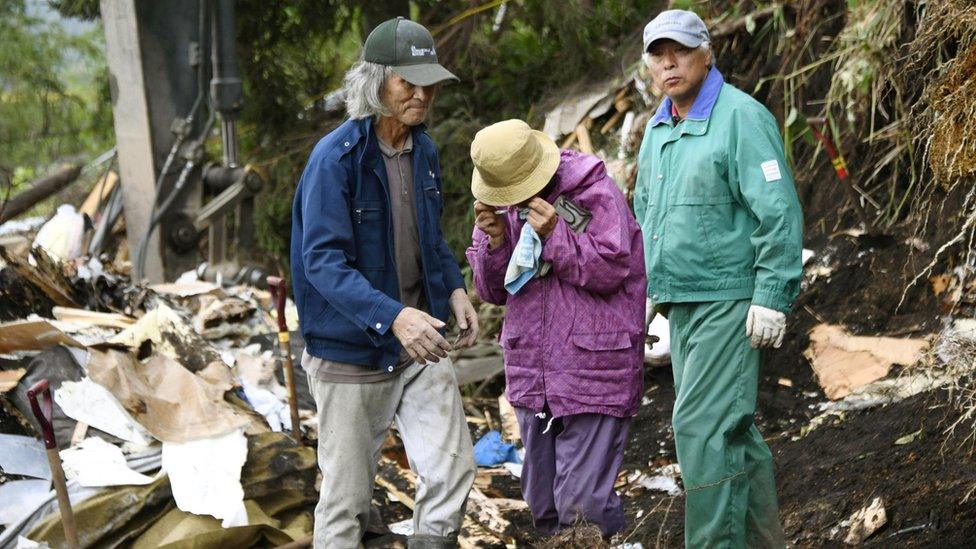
<point x="509" y="341"/>
<point x="369" y="231"/>
<point x="432" y="194"/>
<point x="607" y="341"/>
<point x="691" y="241"/>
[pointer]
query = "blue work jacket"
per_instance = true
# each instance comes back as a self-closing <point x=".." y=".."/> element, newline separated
<point x="342" y="257"/>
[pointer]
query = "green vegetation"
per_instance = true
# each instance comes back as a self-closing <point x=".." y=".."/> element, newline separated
<point x="54" y="95"/>
<point x="894" y="79"/>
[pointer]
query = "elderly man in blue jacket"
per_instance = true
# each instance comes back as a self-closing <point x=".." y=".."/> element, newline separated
<point x="374" y="281"/>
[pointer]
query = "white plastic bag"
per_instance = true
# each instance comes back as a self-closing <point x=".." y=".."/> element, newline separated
<point x="61" y="236"/>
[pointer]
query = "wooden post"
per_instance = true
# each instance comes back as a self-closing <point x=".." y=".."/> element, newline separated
<point x="133" y="128"/>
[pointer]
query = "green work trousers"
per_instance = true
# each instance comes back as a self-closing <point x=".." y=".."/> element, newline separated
<point x="725" y="464"/>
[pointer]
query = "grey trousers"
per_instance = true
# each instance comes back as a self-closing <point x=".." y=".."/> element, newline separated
<point x="353" y="422"/>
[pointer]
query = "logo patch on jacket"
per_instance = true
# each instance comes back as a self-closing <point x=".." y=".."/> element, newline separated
<point x="770" y="170"/>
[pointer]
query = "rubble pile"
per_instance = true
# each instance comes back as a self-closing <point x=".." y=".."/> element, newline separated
<point x="169" y="428"/>
<point x="170" y="414"/>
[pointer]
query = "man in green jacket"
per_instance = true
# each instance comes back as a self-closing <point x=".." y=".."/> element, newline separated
<point x="723" y="237"/>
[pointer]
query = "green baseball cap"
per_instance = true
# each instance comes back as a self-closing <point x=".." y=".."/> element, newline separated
<point x="408" y="49"/>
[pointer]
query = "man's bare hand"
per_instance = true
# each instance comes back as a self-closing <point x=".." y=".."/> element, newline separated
<point x="490" y="223"/>
<point x="542" y="217"/>
<point x="466" y="317"/>
<point x="417" y="332"/>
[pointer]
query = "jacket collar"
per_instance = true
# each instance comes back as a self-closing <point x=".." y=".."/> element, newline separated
<point x="363" y="130"/>
<point x="701" y="109"/>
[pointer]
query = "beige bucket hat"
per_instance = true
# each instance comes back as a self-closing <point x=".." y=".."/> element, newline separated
<point x="512" y="163"/>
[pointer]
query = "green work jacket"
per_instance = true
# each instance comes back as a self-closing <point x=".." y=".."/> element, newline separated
<point x="717" y="204"/>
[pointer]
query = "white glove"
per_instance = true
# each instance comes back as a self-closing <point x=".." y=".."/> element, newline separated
<point x="649" y="314"/>
<point x="765" y="327"/>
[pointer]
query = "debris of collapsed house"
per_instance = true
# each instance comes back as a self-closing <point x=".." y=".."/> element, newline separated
<point x="168" y="401"/>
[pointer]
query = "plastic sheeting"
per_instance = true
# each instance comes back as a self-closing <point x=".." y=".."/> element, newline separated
<point x="25" y="456"/>
<point x="46" y="511"/>
<point x="20" y="497"/>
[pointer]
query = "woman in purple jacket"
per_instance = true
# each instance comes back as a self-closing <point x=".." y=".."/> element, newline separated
<point x="557" y="244"/>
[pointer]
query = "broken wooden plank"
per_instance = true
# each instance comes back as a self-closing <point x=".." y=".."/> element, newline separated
<point x="81" y="430"/>
<point x="186" y="289"/>
<point x="395" y="493"/>
<point x="621" y="94"/>
<point x="99" y="194"/>
<point x="843" y="362"/>
<point x="395" y="480"/>
<point x="33" y="335"/>
<point x="42" y="275"/>
<point x="10" y="378"/>
<point x="494" y="482"/>
<point x="612" y="123"/>
<point x="488" y="514"/>
<point x="92" y="318"/>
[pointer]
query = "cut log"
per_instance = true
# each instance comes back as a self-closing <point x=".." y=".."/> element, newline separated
<point x="39" y="190"/>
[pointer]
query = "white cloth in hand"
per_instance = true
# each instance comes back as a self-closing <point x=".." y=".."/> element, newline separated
<point x="765" y="327"/>
<point x="524" y="263"/>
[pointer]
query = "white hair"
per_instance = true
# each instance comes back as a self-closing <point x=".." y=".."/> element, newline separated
<point x="364" y="83"/>
<point x="706" y="47"/>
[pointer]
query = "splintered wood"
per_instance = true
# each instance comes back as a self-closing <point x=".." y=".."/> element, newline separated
<point x="484" y="519"/>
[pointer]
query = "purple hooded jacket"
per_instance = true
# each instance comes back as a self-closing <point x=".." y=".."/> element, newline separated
<point x="573" y="339"/>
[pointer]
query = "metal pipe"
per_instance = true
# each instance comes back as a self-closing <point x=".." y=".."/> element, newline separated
<point x="226" y="90"/>
<point x="228" y="138"/>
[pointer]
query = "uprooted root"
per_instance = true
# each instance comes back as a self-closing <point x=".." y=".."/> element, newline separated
<point x="967" y="232"/>
<point x="956" y="352"/>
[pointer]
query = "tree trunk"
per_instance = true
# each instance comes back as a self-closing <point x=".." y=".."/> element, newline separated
<point x="39" y="190"/>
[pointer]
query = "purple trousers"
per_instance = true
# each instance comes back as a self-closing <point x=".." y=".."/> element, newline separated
<point x="571" y="465"/>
